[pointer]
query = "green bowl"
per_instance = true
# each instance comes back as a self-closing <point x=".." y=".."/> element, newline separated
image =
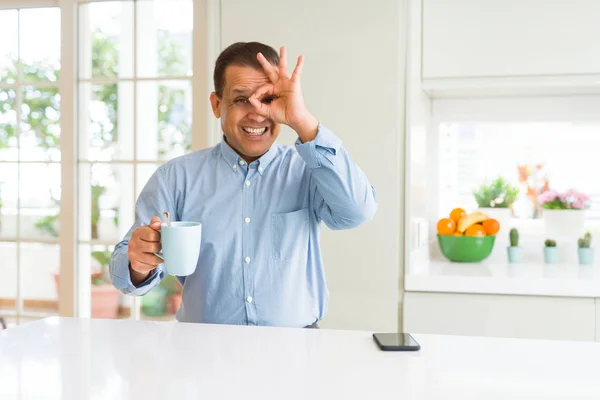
<point x="466" y="248"/>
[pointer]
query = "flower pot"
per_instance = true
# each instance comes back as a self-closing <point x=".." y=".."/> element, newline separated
<point x="174" y="303"/>
<point x="585" y="255"/>
<point x="105" y="299"/>
<point x="564" y="222"/>
<point x="515" y="254"/>
<point x="551" y="255"/>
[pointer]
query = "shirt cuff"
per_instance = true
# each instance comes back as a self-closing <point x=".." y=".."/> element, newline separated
<point x="124" y="283"/>
<point x="325" y="144"/>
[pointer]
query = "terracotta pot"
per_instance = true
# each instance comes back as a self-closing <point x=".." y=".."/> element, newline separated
<point x="174" y="303"/>
<point x="105" y="299"/>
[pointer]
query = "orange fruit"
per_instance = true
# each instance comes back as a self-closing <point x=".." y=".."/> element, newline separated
<point x="491" y="226"/>
<point x="457" y="234"/>
<point x="457" y="214"/>
<point x="475" y="230"/>
<point x="446" y="226"/>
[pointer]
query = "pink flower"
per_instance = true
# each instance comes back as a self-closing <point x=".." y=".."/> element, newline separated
<point x="548" y="195"/>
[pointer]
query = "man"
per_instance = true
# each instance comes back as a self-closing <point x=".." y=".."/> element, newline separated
<point x="260" y="203"/>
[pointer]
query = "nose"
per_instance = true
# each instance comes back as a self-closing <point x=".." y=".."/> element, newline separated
<point x="255" y="117"/>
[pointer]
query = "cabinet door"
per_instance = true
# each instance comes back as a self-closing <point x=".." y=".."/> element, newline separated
<point x="500" y="316"/>
<point x="512" y="38"/>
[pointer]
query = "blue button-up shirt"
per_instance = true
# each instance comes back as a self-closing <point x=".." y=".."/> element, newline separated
<point x="260" y="261"/>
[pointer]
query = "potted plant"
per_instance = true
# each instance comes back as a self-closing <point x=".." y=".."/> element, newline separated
<point x="173" y="290"/>
<point x="564" y="212"/>
<point x="515" y="253"/>
<point x="584" y="252"/>
<point x="105" y="297"/>
<point x="550" y="252"/>
<point x="495" y="199"/>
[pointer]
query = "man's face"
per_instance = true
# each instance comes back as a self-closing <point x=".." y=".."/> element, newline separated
<point x="246" y="132"/>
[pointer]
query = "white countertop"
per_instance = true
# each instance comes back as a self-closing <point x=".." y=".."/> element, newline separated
<point x="60" y="358"/>
<point x="533" y="279"/>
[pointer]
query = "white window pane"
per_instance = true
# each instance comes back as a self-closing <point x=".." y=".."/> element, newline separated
<point x="40" y="53"/>
<point x="105" y="298"/>
<point x="8" y="125"/>
<point x="9" y="192"/>
<point x="39" y="192"/>
<point x="8" y="283"/>
<point x="164" y="119"/>
<point x="164" y="38"/>
<point x="528" y="155"/>
<point x="144" y="172"/>
<point x="106" y="39"/>
<point x="105" y="201"/>
<point x="40" y="124"/>
<point x="39" y="277"/>
<point x="106" y="121"/>
<point x="9" y="22"/>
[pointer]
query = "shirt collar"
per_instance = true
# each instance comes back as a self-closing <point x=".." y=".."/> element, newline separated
<point x="232" y="157"/>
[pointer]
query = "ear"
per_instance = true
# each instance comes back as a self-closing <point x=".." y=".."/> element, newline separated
<point x="215" y="103"/>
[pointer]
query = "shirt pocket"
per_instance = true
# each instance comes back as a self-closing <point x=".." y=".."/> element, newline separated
<point x="290" y="235"/>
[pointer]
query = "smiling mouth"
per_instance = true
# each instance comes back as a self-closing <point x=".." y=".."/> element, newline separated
<point x="255" y="131"/>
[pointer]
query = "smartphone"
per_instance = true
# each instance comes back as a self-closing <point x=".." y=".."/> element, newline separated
<point x="396" y="342"/>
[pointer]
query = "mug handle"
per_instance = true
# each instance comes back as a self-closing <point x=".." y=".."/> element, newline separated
<point x="158" y="254"/>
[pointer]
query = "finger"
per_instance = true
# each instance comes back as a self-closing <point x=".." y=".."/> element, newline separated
<point x="155" y="223"/>
<point x="142" y="267"/>
<point x="298" y="69"/>
<point x="148" y="234"/>
<point x="283" y="71"/>
<point x="148" y="258"/>
<point x="268" y="68"/>
<point x="256" y="100"/>
<point x="147" y="247"/>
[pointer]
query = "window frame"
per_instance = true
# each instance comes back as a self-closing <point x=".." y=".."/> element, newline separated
<point x="75" y="289"/>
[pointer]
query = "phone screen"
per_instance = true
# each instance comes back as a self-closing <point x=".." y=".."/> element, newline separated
<point x="396" y="341"/>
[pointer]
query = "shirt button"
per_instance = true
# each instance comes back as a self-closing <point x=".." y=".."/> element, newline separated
<point x="247" y="183"/>
<point x="247" y="259"/>
<point x="242" y="162"/>
<point x="249" y="299"/>
<point x="247" y="220"/>
<point x="260" y="169"/>
<point x="234" y="166"/>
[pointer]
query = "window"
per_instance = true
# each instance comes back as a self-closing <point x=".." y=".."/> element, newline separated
<point x="30" y="156"/>
<point x="128" y="105"/>
<point x="532" y="143"/>
<point x="529" y="155"/>
<point x="135" y="112"/>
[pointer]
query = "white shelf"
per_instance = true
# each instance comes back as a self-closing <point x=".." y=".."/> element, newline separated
<point x="564" y="280"/>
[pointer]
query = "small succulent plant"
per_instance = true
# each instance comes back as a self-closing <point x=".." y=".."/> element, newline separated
<point x="514" y="237"/>
<point x="585" y="242"/>
<point x="550" y="243"/>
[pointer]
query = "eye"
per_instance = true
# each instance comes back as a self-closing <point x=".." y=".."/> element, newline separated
<point x="241" y="100"/>
<point x="268" y="100"/>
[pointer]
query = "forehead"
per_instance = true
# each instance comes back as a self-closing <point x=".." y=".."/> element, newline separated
<point x="243" y="80"/>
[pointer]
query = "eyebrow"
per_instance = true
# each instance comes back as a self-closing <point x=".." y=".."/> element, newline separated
<point x="240" y="91"/>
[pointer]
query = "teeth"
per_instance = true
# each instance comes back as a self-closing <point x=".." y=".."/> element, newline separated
<point x="254" y="131"/>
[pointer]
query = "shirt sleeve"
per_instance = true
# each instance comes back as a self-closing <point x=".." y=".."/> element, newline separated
<point x="341" y="193"/>
<point x="154" y="199"/>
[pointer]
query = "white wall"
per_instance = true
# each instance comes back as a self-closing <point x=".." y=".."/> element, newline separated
<point x="420" y="172"/>
<point x="353" y="83"/>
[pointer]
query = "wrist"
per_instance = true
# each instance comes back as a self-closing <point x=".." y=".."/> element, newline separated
<point x="307" y="128"/>
<point x="138" y="277"/>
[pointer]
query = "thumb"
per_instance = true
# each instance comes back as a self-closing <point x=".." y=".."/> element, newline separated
<point x="155" y="223"/>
